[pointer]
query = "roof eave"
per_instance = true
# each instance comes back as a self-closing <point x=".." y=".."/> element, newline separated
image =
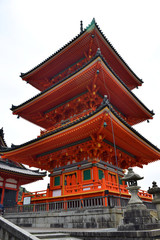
<point x="88" y="28"/>
<point x="81" y="120"/>
<point x="15" y="108"/>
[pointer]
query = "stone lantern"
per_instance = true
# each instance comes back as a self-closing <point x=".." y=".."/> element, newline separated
<point x="131" y="178"/>
<point x="136" y="215"/>
<point x="155" y="191"/>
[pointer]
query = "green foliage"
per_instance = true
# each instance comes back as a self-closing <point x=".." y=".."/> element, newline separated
<point x="21" y="190"/>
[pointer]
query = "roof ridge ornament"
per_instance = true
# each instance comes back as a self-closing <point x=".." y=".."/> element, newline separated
<point x="98" y="52"/>
<point x="13" y="107"/>
<point x="105" y="101"/>
<point x="21" y="74"/>
<point x="81" y="26"/>
<point x="1" y="131"/>
<point x="14" y="146"/>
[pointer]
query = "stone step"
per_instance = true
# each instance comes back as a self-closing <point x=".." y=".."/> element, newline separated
<point x="54" y="236"/>
<point x="65" y="238"/>
<point x="50" y="235"/>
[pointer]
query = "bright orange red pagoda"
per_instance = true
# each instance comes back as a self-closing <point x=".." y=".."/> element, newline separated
<point x="87" y="109"/>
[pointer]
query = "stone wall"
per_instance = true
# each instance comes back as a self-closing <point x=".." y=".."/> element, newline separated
<point x="88" y="218"/>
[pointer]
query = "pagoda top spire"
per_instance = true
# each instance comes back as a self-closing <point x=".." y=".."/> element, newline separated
<point x="81" y="26"/>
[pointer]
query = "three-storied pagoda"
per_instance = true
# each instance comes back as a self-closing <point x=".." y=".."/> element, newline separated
<point x="87" y="108"/>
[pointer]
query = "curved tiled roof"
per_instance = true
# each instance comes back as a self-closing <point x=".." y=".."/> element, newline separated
<point x="92" y="24"/>
<point x="50" y="57"/>
<point x="98" y="54"/>
<point x="101" y="107"/>
<point x="5" y="167"/>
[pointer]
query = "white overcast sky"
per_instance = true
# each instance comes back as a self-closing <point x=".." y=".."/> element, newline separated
<point x="32" y="30"/>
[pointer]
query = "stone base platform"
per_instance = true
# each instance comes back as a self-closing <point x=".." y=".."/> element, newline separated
<point x="117" y="235"/>
<point x="88" y="218"/>
<point x="103" y="233"/>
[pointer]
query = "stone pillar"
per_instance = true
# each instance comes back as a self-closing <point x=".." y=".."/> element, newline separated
<point x="134" y="197"/>
<point x="13" y="238"/>
<point x="6" y="236"/>
<point x="1" y="233"/>
<point x="157" y="202"/>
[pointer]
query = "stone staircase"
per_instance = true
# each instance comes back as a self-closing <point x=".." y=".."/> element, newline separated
<point x="10" y="231"/>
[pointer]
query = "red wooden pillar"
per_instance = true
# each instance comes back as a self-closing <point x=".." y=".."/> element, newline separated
<point x="47" y="206"/>
<point x="17" y="192"/>
<point x="3" y="191"/>
<point x="95" y="174"/>
<point x="106" y="176"/>
<point x="103" y="183"/>
<point x="105" y="200"/>
<point x="65" y="203"/>
<point x="79" y="179"/>
<point x="64" y="184"/>
<point x="51" y="182"/>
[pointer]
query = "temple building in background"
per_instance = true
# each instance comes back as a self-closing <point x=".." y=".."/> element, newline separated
<point x="87" y="110"/>
<point x="12" y="176"/>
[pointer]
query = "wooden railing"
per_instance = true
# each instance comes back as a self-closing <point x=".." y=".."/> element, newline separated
<point x="67" y="205"/>
<point x="75" y="204"/>
<point x="144" y="194"/>
<point x="80" y="188"/>
<point x="99" y="185"/>
<point x="89" y="187"/>
<point x="37" y="194"/>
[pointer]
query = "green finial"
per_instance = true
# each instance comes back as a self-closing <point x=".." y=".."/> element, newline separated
<point x="91" y="25"/>
<point x="93" y="21"/>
